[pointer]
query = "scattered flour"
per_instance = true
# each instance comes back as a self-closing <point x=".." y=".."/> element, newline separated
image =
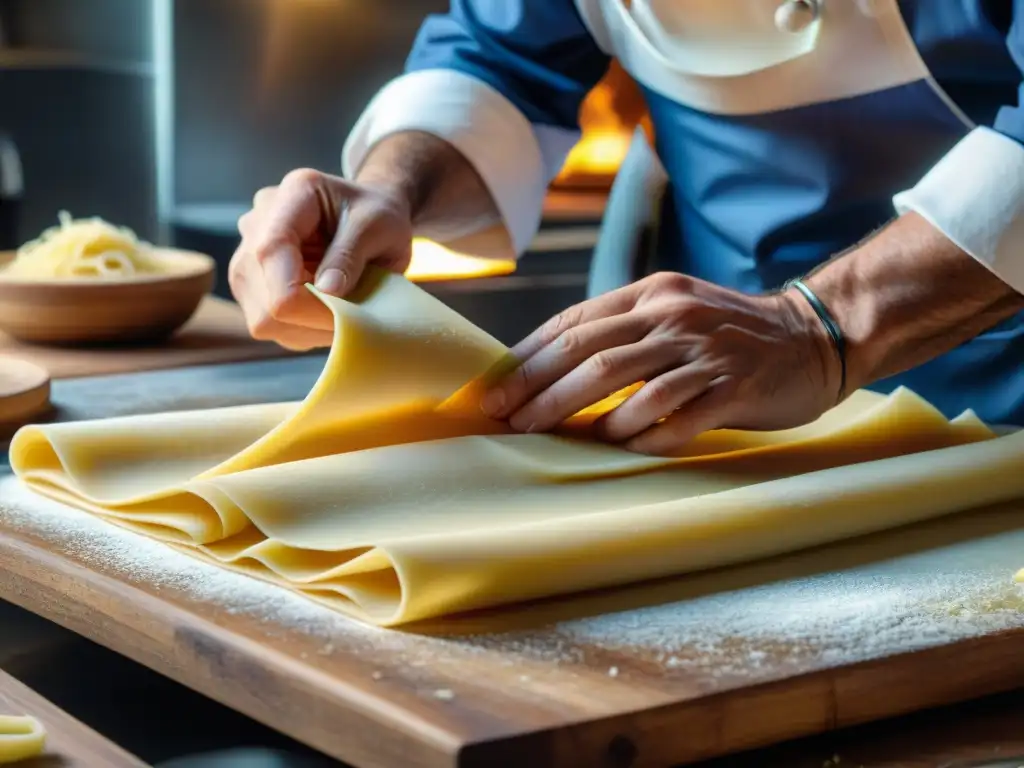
<point x="144" y="561"/>
<point x="750" y="634"/>
<point x="817" y="621"/>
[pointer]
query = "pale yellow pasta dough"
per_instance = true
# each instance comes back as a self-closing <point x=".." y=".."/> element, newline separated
<point x="20" y="738"/>
<point x="388" y="495"/>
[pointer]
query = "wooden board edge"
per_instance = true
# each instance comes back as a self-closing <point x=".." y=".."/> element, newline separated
<point x="68" y="740"/>
<point x="750" y="718"/>
<point x="340" y="720"/>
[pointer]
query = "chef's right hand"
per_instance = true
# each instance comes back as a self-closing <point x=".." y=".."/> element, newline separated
<point x="312" y="227"/>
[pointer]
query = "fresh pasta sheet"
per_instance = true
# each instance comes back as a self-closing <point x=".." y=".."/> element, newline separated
<point x="388" y="495"/>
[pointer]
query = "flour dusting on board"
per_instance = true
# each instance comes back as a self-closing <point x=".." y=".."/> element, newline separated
<point x="796" y="623"/>
<point x="719" y="629"/>
<point x="92" y="541"/>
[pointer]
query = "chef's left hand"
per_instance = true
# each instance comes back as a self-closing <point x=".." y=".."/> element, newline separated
<point x="711" y="358"/>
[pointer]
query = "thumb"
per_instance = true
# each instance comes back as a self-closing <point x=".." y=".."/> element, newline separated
<point x="365" y="236"/>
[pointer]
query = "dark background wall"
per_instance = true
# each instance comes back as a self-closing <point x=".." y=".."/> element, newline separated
<point x="76" y="94"/>
<point x="167" y="115"/>
<point x="251" y="89"/>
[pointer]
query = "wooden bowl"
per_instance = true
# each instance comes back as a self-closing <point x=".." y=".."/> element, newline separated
<point x="144" y="308"/>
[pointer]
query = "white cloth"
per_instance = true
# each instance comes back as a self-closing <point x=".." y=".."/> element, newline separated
<point x="516" y="160"/>
<point x="975" y="196"/>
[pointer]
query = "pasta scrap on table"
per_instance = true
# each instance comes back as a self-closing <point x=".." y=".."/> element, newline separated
<point x="21" y="738"/>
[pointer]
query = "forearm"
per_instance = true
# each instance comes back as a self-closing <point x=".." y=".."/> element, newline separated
<point x="906" y="296"/>
<point x="442" y="188"/>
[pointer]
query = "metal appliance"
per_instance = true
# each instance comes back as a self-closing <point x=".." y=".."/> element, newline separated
<point x="12" y="191"/>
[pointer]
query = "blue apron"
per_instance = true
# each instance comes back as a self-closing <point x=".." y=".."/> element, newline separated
<point x="758" y="196"/>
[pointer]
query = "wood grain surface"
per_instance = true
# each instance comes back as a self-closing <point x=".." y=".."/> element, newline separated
<point x="653" y="675"/>
<point x="24" y="392"/>
<point x="69" y="743"/>
<point x="985" y="733"/>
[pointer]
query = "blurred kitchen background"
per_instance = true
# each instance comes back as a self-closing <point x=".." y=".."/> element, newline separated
<point x="167" y="115"/>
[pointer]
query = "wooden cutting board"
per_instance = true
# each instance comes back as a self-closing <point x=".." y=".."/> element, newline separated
<point x="216" y="334"/>
<point x="647" y="677"/>
<point x="643" y="677"/>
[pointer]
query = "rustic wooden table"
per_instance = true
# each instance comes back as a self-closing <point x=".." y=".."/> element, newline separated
<point x="676" y="671"/>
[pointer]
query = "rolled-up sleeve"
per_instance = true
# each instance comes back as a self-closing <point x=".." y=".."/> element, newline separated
<point x="503" y="83"/>
<point x="975" y="193"/>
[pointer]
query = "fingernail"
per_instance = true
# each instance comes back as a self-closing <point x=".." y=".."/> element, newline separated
<point x="331" y="281"/>
<point x="493" y="403"/>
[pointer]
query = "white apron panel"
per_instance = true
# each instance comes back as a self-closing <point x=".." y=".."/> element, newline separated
<point x="731" y="57"/>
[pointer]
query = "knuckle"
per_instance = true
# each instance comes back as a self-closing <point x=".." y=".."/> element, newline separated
<point x="569" y="342"/>
<point x="245" y="222"/>
<point x="522" y="379"/>
<point x="263" y="196"/>
<point x="268" y="248"/>
<point x="559" y="324"/>
<point x="659" y="394"/>
<point x="345" y="258"/>
<point x="261" y="327"/>
<point x="601" y="365"/>
<point x="302" y="177"/>
<point x="669" y="282"/>
<point x="236" y="276"/>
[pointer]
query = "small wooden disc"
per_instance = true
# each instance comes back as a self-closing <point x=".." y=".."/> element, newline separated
<point x="24" y="391"/>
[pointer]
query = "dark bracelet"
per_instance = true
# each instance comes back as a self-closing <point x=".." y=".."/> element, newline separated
<point x="834" y="331"/>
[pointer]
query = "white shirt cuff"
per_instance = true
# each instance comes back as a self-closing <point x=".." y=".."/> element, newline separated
<point x="975" y="196"/>
<point x="516" y="161"/>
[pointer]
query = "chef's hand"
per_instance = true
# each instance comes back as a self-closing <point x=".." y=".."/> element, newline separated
<point x="711" y="358"/>
<point x="312" y="227"/>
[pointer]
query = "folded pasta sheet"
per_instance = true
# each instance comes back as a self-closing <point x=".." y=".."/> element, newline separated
<point x="387" y="494"/>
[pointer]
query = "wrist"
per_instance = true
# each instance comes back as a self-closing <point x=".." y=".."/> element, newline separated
<point x="854" y="311"/>
<point x="406" y="167"/>
<point x="906" y="296"/>
<point x="391" y="184"/>
<point x="823" y="358"/>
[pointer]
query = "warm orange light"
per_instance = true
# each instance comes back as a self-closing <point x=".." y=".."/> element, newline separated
<point x="599" y="153"/>
<point x="433" y="262"/>
<point x="609" y="115"/>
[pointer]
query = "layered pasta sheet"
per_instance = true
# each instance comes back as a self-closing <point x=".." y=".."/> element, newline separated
<point x="387" y="494"/>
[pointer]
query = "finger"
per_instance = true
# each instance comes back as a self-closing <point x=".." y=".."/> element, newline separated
<point x="264" y="197"/>
<point x="250" y="289"/>
<point x="607" y="305"/>
<point x="554" y="361"/>
<point x="600" y="376"/>
<point x="252" y="297"/>
<point x="358" y="241"/>
<point x="278" y="250"/>
<point x="247" y="224"/>
<point x="294" y="305"/>
<point x="712" y="410"/>
<point x="656" y="400"/>
<point x="292" y="337"/>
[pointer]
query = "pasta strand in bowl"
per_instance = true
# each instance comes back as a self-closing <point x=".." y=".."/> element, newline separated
<point x="77" y="248"/>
